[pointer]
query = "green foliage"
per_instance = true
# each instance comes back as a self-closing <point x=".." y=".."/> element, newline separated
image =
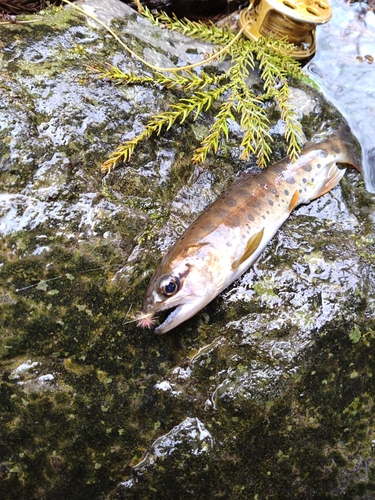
<point x="230" y="88"/>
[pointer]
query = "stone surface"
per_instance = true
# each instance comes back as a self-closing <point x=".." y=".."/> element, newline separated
<point x="267" y="393"/>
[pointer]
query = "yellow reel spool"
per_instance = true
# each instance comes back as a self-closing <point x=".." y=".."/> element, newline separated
<point x="294" y="20"/>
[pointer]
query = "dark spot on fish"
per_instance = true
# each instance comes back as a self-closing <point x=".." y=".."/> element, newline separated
<point x="304" y="180"/>
<point x="291" y="180"/>
<point x="222" y="213"/>
<point x="263" y="216"/>
<point x="323" y="154"/>
<point x="208" y="227"/>
<point x="307" y="168"/>
<point x="318" y="165"/>
<point x="231" y="202"/>
<point x="242" y="193"/>
<point x="336" y="149"/>
<point x="229" y="244"/>
<point x="250" y="217"/>
<point x="300" y="190"/>
<point x="270" y="202"/>
<point x="233" y="221"/>
<point x="312" y="179"/>
<point x="273" y="191"/>
<point x="286" y="192"/>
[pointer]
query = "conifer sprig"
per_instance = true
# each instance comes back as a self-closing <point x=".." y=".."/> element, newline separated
<point x="255" y="124"/>
<point x="275" y="69"/>
<point x="200" y="31"/>
<point x="177" y="113"/>
<point x="238" y="100"/>
<point x="190" y="81"/>
<point x="218" y="129"/>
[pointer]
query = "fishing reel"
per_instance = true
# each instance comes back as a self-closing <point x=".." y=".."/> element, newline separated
<point x="294" y="20"/>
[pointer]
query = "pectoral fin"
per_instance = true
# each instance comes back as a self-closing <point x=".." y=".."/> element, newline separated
<point x="294" y="201"/>
<point x="251" y="247"/>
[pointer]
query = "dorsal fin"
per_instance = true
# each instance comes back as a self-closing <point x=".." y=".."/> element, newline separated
<point x="251" y="247"/>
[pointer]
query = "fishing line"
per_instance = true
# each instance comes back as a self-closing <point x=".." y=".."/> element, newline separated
<point x="36" y="284"/>
<point x="127" y="314"/>
<point x="22" y="22"/>
<point x="65" y="276"/>
<point x="156" y="68"/>
<point x="291" y="20"/>
<point x="278" y="24"/>
<point x="282" y="26"/>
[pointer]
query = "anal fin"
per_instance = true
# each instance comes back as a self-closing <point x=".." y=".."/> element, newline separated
<point x="251" y="247"/>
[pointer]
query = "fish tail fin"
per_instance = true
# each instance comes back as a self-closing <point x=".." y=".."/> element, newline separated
<point x="352" y="149"/>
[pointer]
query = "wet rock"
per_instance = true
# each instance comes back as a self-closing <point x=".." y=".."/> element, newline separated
<point x="273" y="379"/>
<point x="27" y="376"/>
<point x="191" y="433"/>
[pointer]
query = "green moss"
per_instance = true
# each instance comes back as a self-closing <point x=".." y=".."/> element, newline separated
<point x="265" y="287"/>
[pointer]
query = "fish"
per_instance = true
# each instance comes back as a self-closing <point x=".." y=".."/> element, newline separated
<point x="231" y="233"/>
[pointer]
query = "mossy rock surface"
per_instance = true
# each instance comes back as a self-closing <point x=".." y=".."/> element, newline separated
<point x="267" y="393"/>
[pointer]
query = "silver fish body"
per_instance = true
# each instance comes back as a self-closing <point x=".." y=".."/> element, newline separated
<point x="226" y="239"/>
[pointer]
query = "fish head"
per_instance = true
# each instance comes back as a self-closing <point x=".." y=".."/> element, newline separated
<point x="183" y="286"/>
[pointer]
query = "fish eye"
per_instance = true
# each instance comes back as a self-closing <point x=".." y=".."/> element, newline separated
<point x="170" y="286"/>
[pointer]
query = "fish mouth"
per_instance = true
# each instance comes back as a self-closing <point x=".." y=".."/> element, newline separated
<point x="171" y="320"/>
<point x="178" y="313"/>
